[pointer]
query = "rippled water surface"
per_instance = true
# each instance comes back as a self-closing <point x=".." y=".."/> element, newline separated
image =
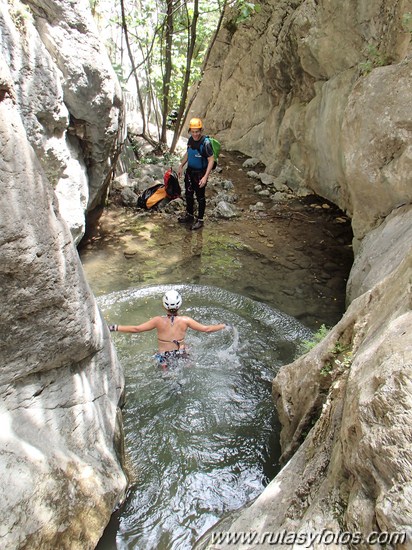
<point x="201" y="439"/>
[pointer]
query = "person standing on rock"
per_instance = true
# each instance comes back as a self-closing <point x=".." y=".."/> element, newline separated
<point x="200" y="161"/>
<point x="171" y="330"/>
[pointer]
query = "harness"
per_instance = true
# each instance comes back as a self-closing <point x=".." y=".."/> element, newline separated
<point x="196" y="161"/>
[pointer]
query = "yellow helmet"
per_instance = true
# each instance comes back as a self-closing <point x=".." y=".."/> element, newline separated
<point x="195" y="123"/>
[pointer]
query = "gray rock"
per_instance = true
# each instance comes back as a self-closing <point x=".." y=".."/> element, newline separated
<point x="227" y="185"/>
<point x="279" y="197"/>
<point x="226" y="197"/>
<point x="61" y="385"/>
<point x="266" y="179"/>
<point x="128" y="197"/>
<point x="258" y="207"/>
<point x="250" y="163"/>
<point x="280" y="186"/>
<point x="155" y="171"/>
<point x="381" y="251"/>
<point x="143" y="183"/>
<point x="122" y="181"/>
<point x="69" y="100"/>
<point x="253" y="175"/>
<point x="174" y="206"/>
<point x="225" y="210"/>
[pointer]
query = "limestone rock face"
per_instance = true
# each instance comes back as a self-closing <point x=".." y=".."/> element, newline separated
<point x="320" y="93"/>
<point x="68" y="96"/>
<point x="381" y="251"/>
<point x="60" y="382"/>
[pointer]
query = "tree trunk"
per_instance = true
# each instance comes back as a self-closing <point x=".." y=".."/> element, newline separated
<point x="168" y="68"/>
<point x="191" y="39"/>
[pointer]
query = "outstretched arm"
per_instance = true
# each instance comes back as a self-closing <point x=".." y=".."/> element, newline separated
<point x="148" y="325"/>
<point x="191" y="323"/>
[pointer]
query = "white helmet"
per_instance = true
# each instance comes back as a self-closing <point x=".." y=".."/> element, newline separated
<point x="172" y="300"/>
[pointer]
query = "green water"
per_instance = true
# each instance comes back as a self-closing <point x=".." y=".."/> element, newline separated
<point x="202" y="438"/>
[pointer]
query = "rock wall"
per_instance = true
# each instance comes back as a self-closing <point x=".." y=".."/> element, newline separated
<point x="68" y="97"/>
<point x="321" y="93"/>
<point x="60" y="382"/>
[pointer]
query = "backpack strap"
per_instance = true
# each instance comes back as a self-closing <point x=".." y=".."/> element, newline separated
<point x="202" y="145"/>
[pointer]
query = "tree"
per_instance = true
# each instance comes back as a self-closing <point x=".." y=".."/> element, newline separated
<point x="168" y="63"/>
<point x="168" y="43"/>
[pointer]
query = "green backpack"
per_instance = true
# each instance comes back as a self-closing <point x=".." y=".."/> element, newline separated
<point x="216" y="146"/>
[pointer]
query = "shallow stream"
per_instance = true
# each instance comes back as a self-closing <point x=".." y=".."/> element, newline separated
<point x="201" y="438"/>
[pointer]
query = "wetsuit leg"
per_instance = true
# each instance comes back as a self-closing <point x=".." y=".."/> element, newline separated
<point x="201" y="199"/>
<point x="200" y="192"/>
<point x="189" y="194"/>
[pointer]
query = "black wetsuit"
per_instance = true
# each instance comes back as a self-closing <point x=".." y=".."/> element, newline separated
<point x="197" y="154"/>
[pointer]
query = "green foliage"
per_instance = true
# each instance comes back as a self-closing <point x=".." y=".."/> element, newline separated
<point x="374" y="58"/>
<point x="158" y="47"/>
<point x="246" y="10"/>
<point x="20" y="14"/>
<point x="318" y="336"/>
<point x="170" y="159"/>
<point x="340" y="356"/>
<point x="407" y="22"/>
<point x="241" y="11"/>
<point x="118" y="69"/>
<point x="341" y="359"/>
<point x="326" y="369"/>
<point x="149" y="22"/>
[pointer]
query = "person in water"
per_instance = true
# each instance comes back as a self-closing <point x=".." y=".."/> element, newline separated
<point x="171" y="329"/>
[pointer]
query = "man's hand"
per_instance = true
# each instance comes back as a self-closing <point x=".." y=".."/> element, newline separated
<point x="113" y="328"/>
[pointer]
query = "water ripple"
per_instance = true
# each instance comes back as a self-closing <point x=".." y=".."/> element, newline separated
<point x="200" y="438"/>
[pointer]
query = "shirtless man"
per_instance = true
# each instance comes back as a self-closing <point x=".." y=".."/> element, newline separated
<point x="171" y="329"/>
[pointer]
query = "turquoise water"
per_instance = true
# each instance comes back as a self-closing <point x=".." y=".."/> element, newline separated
<point x="202" y="438"/>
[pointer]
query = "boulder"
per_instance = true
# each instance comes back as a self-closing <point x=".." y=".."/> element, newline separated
<point x="69" y="99"/>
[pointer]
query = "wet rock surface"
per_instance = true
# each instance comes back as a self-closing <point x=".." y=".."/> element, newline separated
<point x="294" y="254"/>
